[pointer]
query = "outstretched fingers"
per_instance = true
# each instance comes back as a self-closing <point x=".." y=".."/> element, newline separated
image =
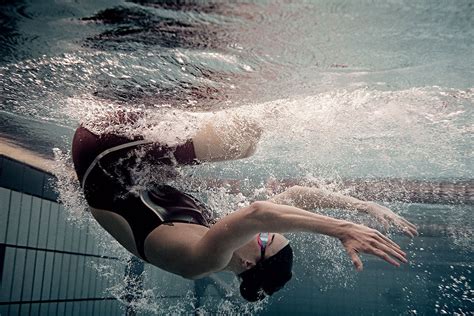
<point x="379" y="253"/>
<point x="387" y="245"/>
<point x="409" y="224"/>
<point x="387" y="240"/>
<point x="385" y="215"/>
<point x="355" y="258"/>
<point x="410" y="227"/>
<point x="385" y="223"/>
<point x="405" y="226"/>
<point x="394" y="252"/>
<point x="408" y="232"/>
<point x="370" y="241"/>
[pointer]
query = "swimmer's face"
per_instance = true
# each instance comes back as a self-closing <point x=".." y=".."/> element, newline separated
<point x="250" y="253"/>
<point x="276" y="243"/>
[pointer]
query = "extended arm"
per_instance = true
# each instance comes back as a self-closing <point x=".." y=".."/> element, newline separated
<point x="214" y="251"/>
<point x="311" y="198"/>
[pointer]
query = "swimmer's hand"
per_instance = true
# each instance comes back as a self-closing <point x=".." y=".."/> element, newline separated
<point x="361" y="239"/>
<point x="386" y="217"/>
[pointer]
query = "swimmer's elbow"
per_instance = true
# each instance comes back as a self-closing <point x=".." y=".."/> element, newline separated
<point x="260" y="210"/>
<point x="257" y="207"/>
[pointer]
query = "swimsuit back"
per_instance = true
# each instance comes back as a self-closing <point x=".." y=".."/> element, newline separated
<point x="102" y="164"/>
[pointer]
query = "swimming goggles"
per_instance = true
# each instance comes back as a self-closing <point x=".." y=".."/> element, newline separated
<point x="262" y="240"/>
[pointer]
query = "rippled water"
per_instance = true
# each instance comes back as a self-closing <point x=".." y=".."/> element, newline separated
<point x="350" y="89"/>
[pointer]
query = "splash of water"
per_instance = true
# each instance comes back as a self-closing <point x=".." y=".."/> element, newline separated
<point x="391" y="133"/>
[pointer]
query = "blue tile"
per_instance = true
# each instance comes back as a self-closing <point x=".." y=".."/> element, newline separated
<point x="18" y="274"/>
<point x="56" y="309"/>
<point x="13" y="309"/>
<point x="90" y="241"/>
<point x="33" y="231"/>
<point x="35" y="309"/>
<point x="75" y="231"/>
<point x="2" y="260"/>
<point x="25" y="309"/>
<point x="61" y="228"/>
<point x="83" y="308"/>
<point x="49" y="191"/>
<point x="86" y="278"/>
<point x="102" y="305"/>
<point x="28" y="276"/>
<point x="13" y="218"/>
<point x="95" y="307"/>
<point x="4" y="211"/>
<point x="119" y="308"/>
<point x="38" y="275"/>
<point x="69" y="308"/>
<point x="79" y="276"/>
<point x="77" y="308"/>
<point x="23" y="178"/>
<point x="11" y="174"/>
<point x="47" y="280"/>
<point x="65" y="275"/>
<point x="43" y="225"/>
<point x="7" y="277"/>
<point x="57" y="276"/>
<point x="90" y="308"/>
<point x="72" y="275"/>
<point x="86" y="308"/>
<point x="4" y="310"/>
<point x="44" y="309"/>
<point x="32" y="182"/>
<point x="93" y="281"/>
<point x="68" y="230"/>
<point x="83" y="240"/>
<point x="108" y="307"/>
<point x="25" y="217"/>
<point x="53" y="236"/>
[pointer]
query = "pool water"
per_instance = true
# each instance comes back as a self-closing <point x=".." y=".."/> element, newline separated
<point x="348" y="93"/>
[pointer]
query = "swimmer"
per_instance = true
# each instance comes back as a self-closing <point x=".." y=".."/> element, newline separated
<point x="176" y="232"/>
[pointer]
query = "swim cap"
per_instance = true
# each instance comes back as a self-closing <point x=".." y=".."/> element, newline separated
<point x="268" y="276"/>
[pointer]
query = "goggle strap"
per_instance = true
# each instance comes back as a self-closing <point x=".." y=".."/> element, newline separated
<point x="262" y="241"/>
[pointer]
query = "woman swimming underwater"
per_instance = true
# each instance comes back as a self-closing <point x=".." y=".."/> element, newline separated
<point x="177" y="233"/>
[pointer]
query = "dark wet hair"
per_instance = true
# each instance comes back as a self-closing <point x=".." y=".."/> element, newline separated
<point x="268" y="276"/>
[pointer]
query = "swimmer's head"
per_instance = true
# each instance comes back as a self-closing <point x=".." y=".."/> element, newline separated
<point x="270" y="273"/>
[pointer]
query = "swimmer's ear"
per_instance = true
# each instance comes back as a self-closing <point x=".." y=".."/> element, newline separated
<point x="355" y="259"/>
<point x="247" y="264"/>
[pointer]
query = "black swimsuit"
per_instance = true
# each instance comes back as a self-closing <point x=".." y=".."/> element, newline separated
<point x="103" y="165"/>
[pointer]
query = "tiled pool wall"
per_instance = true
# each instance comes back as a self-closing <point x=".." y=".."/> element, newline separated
<point x="46" y="261"/>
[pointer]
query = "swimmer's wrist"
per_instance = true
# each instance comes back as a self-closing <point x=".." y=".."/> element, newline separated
<point x="342" y="228"/>
<point x="362" y="206"/>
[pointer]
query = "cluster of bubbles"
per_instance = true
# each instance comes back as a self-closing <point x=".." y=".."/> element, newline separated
<point x="454" y="291"/>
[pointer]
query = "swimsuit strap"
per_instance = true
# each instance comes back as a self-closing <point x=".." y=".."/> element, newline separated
<point x="108" y="151"/>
